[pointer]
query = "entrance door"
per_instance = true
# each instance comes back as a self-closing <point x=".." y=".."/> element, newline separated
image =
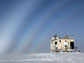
<point x="71" y="45"/>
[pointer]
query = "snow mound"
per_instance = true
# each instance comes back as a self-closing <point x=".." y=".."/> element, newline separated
<point x="44" y="58"/>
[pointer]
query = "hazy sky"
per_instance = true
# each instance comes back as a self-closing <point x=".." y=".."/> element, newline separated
<point x="26" y="26"/>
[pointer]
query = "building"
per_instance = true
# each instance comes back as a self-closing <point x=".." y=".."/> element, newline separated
<point x="65" y="43"/>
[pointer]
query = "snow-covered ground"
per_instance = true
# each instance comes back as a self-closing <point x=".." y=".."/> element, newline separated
<point x="44" y="58"/>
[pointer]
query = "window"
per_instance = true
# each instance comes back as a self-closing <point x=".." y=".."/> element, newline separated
<point x="65" y="45"/>
<point x="55" y="43"/>
<point x="59" y="40"/>
<point x="65" y="40"/>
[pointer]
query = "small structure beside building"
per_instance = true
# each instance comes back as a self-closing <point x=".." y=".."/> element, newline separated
<point x="65" y="43"/>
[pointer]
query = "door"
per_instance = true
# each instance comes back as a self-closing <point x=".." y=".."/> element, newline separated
<point x="71" y="45"/>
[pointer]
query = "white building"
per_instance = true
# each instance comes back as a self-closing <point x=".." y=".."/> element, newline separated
<point x="65" y="43"/>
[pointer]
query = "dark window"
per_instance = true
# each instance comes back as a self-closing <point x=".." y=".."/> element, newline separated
<point x="55" y="43"/>
<point x="59" y="40"/>
<point x="65" y="45"/>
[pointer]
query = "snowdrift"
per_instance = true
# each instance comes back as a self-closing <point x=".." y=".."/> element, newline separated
<point x="44" y="58"/>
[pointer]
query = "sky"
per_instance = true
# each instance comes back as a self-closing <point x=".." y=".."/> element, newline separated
<point x="27" y="26"/>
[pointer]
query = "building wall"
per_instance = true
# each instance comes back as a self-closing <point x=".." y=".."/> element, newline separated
<point x="60" y="45"/>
